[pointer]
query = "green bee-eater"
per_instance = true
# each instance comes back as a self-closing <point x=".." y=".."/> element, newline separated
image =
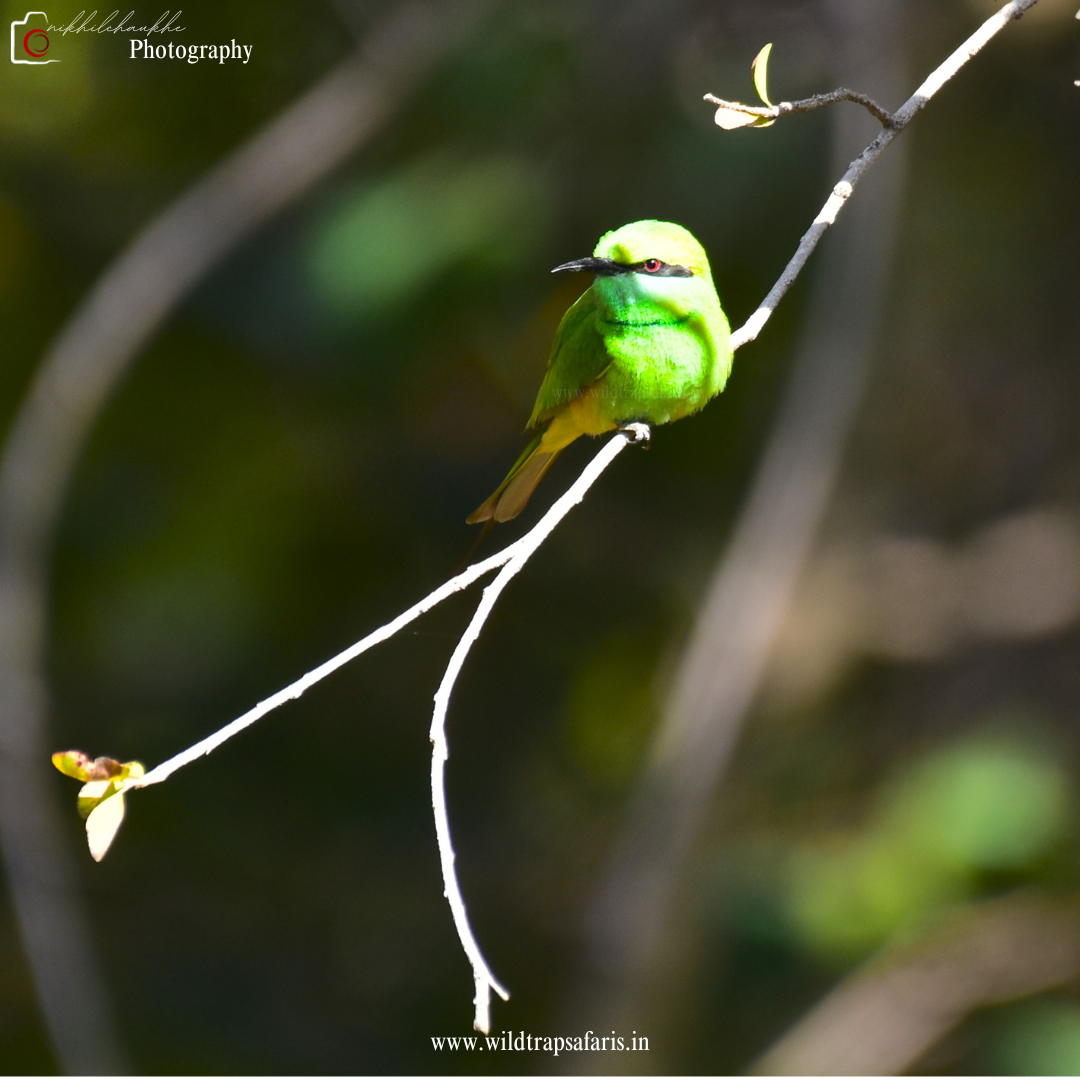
<point x="647" y="341"/>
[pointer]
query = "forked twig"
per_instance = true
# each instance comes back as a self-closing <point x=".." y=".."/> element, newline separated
<point x="783" y="108"/>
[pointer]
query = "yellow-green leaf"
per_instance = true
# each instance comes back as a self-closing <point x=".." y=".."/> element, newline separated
<point x="101" y="798"/>
<point x="73" y="763"/>
<point x="79" y="766"/>
<point x="729" y="119"/>
<point x="760" y="71"/>
<point x="102" y="824"/>
<point x="92" y="793"/>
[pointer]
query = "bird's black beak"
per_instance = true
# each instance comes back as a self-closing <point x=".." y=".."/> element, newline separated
<point x="603" y="267"/>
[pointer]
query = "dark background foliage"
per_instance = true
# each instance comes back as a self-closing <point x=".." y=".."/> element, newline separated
<point x="291" y="461"/>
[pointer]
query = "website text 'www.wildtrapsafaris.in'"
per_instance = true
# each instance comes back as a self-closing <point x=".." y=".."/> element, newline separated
<point x="547" y="1044"/>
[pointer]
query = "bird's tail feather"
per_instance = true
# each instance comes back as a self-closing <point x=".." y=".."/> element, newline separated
<point x="510" y="497"/>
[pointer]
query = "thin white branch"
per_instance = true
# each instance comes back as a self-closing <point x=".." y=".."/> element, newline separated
<point x="842" y="191"/>
<point x="526" y="544"/>
<point x="305" y="682"/>
<point x="526" y="548"/>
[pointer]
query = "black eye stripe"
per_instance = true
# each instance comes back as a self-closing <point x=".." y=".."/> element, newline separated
<point x="665" y="270"/>
<point x="610" y="268"/>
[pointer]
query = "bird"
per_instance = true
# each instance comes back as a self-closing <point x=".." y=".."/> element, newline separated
<point x="648" y="342"/>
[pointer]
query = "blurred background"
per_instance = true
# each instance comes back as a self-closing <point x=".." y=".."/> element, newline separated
<point x="289" y="459"/>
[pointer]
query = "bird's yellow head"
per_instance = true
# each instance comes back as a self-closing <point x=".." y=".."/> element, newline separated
<point x="649" y="272"/>
<point x="657" y="247"/>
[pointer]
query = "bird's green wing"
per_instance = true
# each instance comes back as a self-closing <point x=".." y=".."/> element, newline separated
<point x="578" y="358"/>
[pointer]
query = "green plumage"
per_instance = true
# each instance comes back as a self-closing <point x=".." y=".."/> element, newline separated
<point x="647" y="341"/>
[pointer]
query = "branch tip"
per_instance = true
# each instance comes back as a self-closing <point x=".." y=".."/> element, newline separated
<point x="637" y="433"/>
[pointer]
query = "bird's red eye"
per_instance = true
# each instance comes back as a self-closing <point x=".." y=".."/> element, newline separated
<point x="652" y="265"/>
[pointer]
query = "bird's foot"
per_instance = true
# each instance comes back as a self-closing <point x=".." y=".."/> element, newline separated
<point x="637" y="433"/>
